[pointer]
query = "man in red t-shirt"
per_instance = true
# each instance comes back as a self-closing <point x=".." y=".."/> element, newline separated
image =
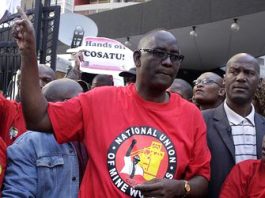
<point x="11" y="115"/>
<point x="141" y="139"/>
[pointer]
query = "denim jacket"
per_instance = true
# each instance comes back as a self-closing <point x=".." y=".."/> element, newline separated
<point x="40" y="167"/>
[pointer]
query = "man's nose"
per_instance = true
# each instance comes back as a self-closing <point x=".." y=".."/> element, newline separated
<point x="167" y="61"/>
<point x="241" y="76"/>
<point x="199" y="84"/>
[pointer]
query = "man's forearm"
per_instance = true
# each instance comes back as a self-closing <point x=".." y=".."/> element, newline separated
<point x="34" y="104"/>
<point x="198" y="187"/>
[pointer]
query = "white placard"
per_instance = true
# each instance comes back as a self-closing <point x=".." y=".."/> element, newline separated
<point x="104" y="54"/>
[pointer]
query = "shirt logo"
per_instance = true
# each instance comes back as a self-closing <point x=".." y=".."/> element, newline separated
<point x="13" y="133"/>
<point x="140" y="154"/>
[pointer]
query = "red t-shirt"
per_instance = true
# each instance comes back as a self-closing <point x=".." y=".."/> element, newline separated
<point x="12" y="123"/>
<point x="130" y="140"/>
<point x="2" y="161"/>
<point x="246" y="179"/>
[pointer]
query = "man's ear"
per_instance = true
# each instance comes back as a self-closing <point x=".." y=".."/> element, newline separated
<point x="221" y="92"/>
<point x="136" y="58"/>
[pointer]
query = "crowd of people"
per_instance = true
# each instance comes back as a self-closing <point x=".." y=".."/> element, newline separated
<point x="155" y="137"/>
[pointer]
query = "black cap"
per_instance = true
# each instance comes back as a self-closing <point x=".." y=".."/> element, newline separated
<point x="84" y="85"/>
<point x="130" y="73"/>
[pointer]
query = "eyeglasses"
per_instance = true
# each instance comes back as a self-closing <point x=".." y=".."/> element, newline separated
<point x="175" y="58"/>
<point x="205" y="82"/>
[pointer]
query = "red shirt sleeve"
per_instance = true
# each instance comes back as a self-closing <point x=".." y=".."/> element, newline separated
<point x="236" y="183"/>
<point x="67" y="120"/>
<point x="200" y="157"/>
<point x="2" y="161"/>
<point x="11" y="119"/>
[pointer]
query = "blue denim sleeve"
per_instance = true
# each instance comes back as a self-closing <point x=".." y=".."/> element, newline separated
<point x="21" y="173"/>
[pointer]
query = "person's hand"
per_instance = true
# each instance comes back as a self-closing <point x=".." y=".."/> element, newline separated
<point x="23" y="32"/>
<point x="164" y="188"/>
<point x="78" y="58"/>
<point x="75" y="73"/>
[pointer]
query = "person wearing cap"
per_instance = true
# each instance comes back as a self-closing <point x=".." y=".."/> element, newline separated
<point x="129" y="76"/>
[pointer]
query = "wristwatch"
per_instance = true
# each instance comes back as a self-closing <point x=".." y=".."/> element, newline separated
<point x="186" y="187"/>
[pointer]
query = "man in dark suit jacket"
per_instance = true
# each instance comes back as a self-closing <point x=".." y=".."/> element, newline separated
<point x="241" y="80"/>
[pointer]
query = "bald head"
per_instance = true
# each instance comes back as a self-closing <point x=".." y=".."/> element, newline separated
<point x="61" y="89"/>
<point x="46" y="75"/>
<point x="243" y="58"/>
<point x="181" y="87"/>
<point x="212" y="76"/>
<point x="151" y="37"/>
<point x="241" y="80"/>
<point x="102" y="80"/>
<point x="208" y="90"/>
<point x="157" y="63"/>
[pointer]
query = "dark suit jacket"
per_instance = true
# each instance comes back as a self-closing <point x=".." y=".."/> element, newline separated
<point x="221" y="145"/>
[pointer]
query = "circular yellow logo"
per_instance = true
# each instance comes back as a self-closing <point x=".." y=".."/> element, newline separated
<point x="140" y="154"/>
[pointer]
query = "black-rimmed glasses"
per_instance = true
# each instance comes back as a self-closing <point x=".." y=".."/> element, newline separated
<point x="205" y="82"/>
<point x="175" y="58"/>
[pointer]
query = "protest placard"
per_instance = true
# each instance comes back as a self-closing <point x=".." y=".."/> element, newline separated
<point x="104" y="54"/>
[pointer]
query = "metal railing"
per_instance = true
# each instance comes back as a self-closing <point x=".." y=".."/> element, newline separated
<point x="45" y="19"/>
